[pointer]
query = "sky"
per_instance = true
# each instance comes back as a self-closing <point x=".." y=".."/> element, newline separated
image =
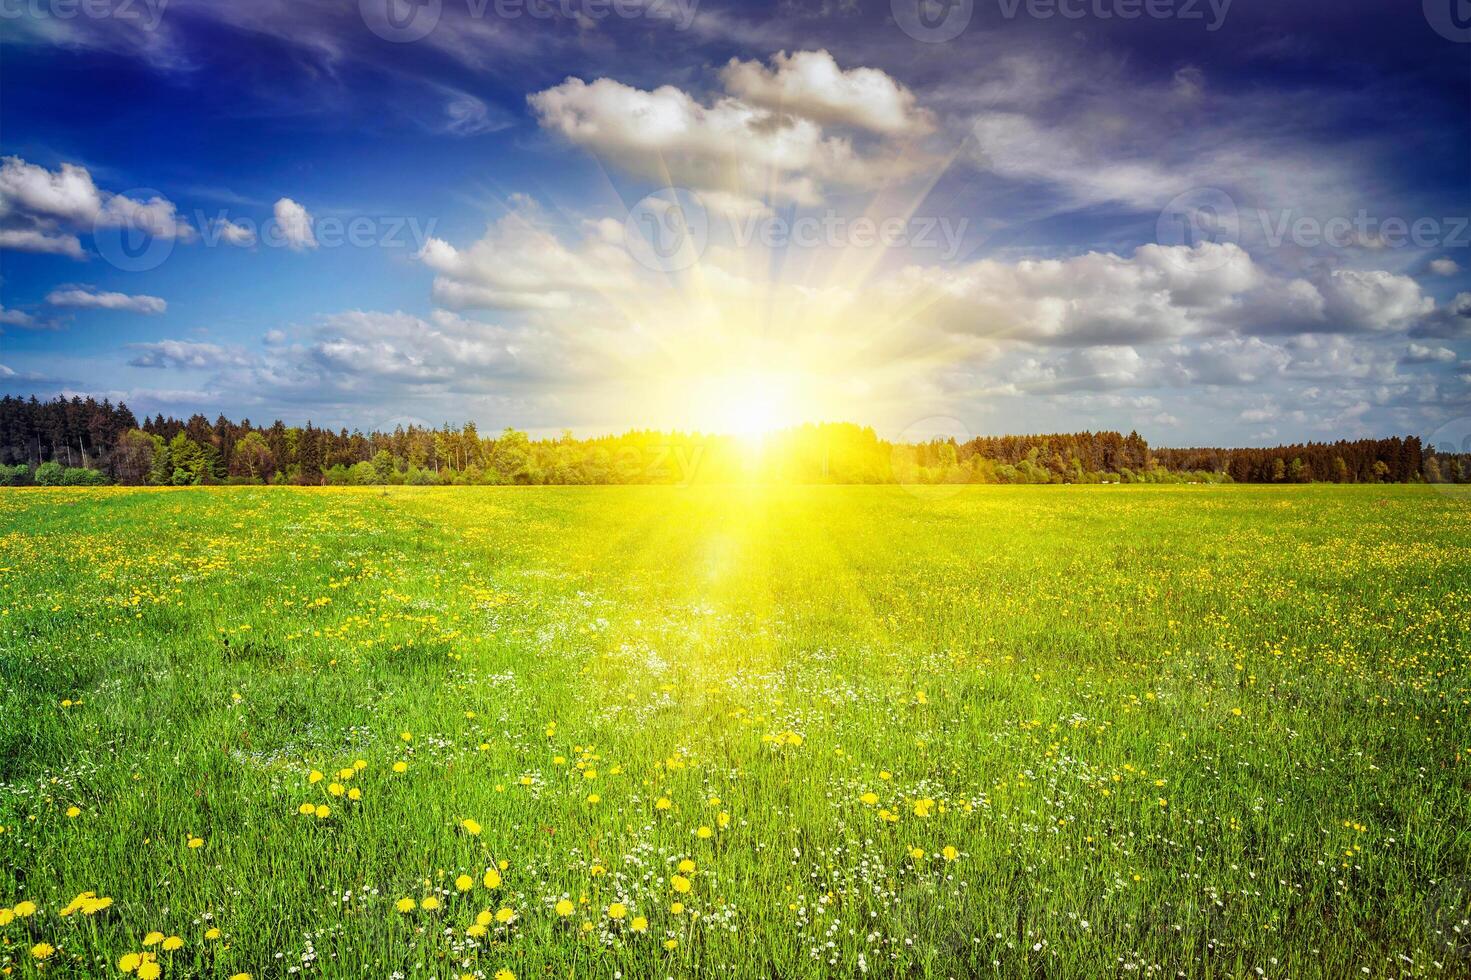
<point x="1238" y="222"/>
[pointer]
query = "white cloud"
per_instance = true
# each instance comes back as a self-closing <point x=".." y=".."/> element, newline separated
<point x="741" y="146"/>
<point x="88" y="297"/>
<point x="186" y="354"/>
<point x="295" y="224"/>
<point x="1444" y="267"/>
<point x="520" y="264"/>
<point x="810" y="84"/>
<point x="40" y="209"/>
<point x="1422" y="354"/>
<point x="235" y="233"/>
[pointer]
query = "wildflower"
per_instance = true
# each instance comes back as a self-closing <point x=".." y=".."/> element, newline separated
<point x="565" y="908"/>
<point x="663" y="803"/>
<point x="73" y="812"/>
<point x="172" y="943"/>
<point x="42" y="950"/>
<point x="429" y="904"/>
<point x="475" y="931"/>
<point x="949" y="853"/>
<point x="24" y="910"/>
<point x="307" y="809"/>
<point x="471" y="827"/>
<point x="639" y="924"/>
<point x="6" y="917"/>
<point x="240" y="976"/>
<point x="315" y="777"/>
<point x="671" y="943"/>
<point x="704" y="833"/>
<point x="128" y="962"/>
<point x="680" y="884"/>
<point x="617" y="910"/>
<point x="405" y="905"/>
<point x="195" y="843"/>
<point x="406" y="736"/>
<point x="400" y="766"/>
<point x="916" y="853"/>
<point x="323" y="811"/>
<point x="149" y="970"/>
<point x="492" y="879"/>
<point x="464" y="883"/>
<point x="687" y="867"/>
<point x="594" y="798"/>
<point x="484" y="917"/>
<point x="923" y="808"/>
<point x="677" y="908"/>
<point x="504" y="974"/>
<point x="504" y="915"/>
<point x="354" y="794"/>
<point x="336" y="789"/>
<point x="869" y="799"/>
<point x="212" y="933"/>
<point x="722" y="820"/>
<point x="153" y="938"/>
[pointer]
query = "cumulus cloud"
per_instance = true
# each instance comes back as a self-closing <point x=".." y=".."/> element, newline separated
<point x="295" y="224"/>
<point x="1158" y="293"/>
<point x="234" y="233"/>
<point x="41" y="209"/>
<point x="520" y="264"/>
<point x="186" y="354"/>
<point x="90" y="298"/>
<point x="741" y="138"/>
<point x="1422" y="354"/>
<point x="810" y="84"/>
<point x="1444" y="267"/>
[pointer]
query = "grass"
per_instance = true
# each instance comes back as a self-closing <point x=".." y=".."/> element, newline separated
<point x="1195" y="731"/>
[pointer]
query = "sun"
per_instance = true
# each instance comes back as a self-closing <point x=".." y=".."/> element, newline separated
<point x="750" y="404"/>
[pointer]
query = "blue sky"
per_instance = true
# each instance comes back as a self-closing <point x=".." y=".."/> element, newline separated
<point x="1214" y="222"/>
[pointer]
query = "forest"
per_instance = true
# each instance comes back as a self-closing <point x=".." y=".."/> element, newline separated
<point x="81" y="441"/>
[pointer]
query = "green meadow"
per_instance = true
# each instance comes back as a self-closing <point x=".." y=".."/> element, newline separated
<point x="1196" y="731"/>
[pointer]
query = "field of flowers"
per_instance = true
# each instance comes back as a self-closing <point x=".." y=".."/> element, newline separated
<point x="649" y="732"/>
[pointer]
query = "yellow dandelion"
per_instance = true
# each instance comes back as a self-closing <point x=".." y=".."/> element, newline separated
<point x="617" y="910"/>
<point x="565" y="908"/>
<point x="639" y="924"/>
<point x="464" y="883"/>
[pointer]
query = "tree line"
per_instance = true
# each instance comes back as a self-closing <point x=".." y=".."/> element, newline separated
<point x="80" y="441"/>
